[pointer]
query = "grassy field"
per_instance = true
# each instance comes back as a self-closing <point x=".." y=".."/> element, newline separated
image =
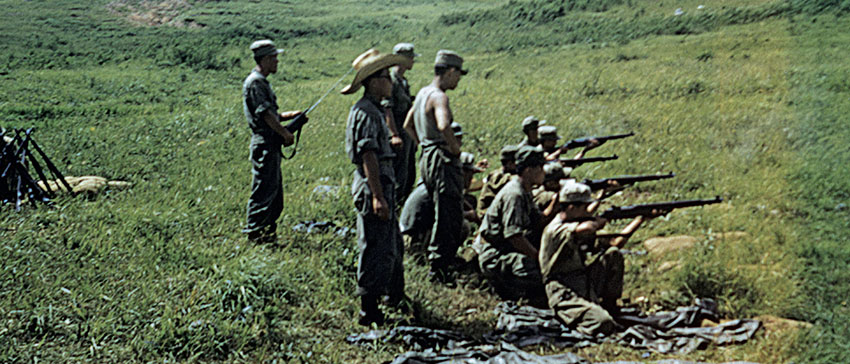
<point x="741" y="99"/>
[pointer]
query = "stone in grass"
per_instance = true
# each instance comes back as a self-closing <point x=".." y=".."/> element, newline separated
<point x="663" y="245"/>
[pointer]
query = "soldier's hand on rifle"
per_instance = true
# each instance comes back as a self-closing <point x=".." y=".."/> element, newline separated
<point x="380" y="208"/>
<point x="289" y="115"/>
<point x="483" y="164"/>
<point x="592" y="143"/>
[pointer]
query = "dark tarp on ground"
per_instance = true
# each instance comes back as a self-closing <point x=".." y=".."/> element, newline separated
<point x="521" y="326"/>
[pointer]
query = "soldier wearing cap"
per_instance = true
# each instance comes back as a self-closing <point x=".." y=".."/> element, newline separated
<point x="398" y="104"/>
<point x="510" y="233"/>
<point x="259" y="103"/>
<point x="545" y="195"/>
<point x="529" y="127"/>
<point x="497" y="179"/>
<point x="429" y="123"/>
<point x="549" y="141"/>
<point x="367" y="143"/>
<point x="583" y="275"/>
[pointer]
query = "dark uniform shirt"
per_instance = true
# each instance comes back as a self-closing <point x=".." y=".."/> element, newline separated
<point x="257" y="98"/>
<point x="513" y="212"/>
<point x="366" y="132"/>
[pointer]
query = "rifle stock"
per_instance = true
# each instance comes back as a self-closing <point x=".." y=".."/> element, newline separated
<point x="628" y="212"/>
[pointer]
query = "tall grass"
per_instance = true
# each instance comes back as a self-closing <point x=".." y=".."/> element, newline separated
<point x="734" y="100"/>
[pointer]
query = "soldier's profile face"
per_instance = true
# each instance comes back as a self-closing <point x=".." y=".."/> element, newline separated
<point x="270" y="63"/>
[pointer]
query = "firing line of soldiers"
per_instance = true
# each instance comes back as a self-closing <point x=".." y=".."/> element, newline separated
<point x="538" y="238"/>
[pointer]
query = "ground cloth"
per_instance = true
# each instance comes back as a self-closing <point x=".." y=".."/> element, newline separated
<point x="521" y="326"/>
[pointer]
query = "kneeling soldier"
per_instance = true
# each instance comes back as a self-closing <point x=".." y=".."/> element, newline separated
<point x="510" y="233"/>
<point x="583" y="275"/>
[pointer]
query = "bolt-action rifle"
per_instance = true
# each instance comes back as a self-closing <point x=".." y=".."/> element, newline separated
<point x="628" y="212"/>
<point x="298" y="122"/>
<point x="623" y="181"/>
<point x="584" y="142"/>
<point x="572" y="163"/>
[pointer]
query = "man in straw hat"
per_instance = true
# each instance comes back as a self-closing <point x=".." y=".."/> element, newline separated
<point x="259" y="103"/>
<point x="429" y="123"/>
<point x="398" y="105"/>
<point x="510" y="232"/>
<point x="583" y="276"/>
<point x="367" y="142"/>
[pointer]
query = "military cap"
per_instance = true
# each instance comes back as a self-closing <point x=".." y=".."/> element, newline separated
<point x="528" y="156"/>
<point x="508" y="153"/>
<point x="531" y="123"/>
<point x="468" y="162"/>
<point x="265" y="47"/>
<point x="548" y="132"/>
<point x="572" y="192"/>
<point x="405" y="49"/>
<point x="450" y="59"/>
<point x="555" y="171"/>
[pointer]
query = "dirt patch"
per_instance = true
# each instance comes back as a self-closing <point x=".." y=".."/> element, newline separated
<point x="153" y="13"/>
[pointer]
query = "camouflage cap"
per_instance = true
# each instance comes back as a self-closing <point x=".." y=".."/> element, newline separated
<point x="405" y="49"/>
<point x="265" y="47"/>
<point x="450" y="59"/>
<point x="530" y="123"/>
<point x="528" y="156"/>
<point x="548" y="132"/>
<point x="572" y="192"/>
<point x="508" y="153"/>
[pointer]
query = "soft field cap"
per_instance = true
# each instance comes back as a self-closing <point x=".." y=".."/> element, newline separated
<point x="265" y="47"/>
<point x="573" y="192"/>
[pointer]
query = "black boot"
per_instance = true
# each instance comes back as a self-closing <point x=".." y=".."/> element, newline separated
<point x="369" y="311"/>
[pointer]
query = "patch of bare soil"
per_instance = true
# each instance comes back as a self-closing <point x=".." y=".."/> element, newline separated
<point x="152" y="12"/>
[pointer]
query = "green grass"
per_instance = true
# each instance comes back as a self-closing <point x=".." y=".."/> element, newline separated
<point x="744" y="100"/>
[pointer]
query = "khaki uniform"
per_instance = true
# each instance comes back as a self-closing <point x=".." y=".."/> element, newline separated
<point x="514" y="275"/>
<point x="493" y="183"/>
<point x="404" y="163"/>
<point x="542" y="198"/>
<point x="582" y="277"/>
<point x="442" y="175"/>
<point x="266" y="201"/>
<point x="379" y="270"/>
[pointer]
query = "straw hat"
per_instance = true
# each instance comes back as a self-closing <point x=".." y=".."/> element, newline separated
<point x="368" y="63"/>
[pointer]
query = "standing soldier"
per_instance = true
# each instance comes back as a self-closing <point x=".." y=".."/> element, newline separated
<point x="429" y="123"/>
<point x="398" y="105"/>
<point x="259" y="103"/>
<point x="367" y="142"/>
<point x="529" y="127"/>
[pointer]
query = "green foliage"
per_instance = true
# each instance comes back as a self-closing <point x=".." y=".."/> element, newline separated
<point x="706" y="275"/>
<point x="160" y="272"/>
<point x="824" y="189"/>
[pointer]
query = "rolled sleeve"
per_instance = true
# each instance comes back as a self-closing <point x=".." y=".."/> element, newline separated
<point x="514" y="220"/>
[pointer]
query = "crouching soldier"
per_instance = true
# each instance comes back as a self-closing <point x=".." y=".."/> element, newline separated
<point x="508" y="242"/>
<point x="583" y="275"/>
<point x="367" y="142"/>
